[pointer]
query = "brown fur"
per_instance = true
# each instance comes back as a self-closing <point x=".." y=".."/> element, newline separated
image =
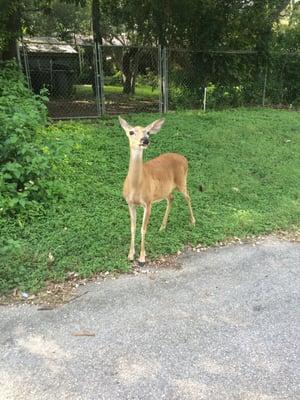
<point x="159" y="178"/>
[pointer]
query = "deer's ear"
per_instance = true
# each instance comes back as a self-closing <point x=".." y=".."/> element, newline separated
<point x="155" y="126"/>
<point x="124" y="124"/>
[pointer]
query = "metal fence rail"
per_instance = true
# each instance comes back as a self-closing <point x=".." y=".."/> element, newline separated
<point x="95" y="80"/>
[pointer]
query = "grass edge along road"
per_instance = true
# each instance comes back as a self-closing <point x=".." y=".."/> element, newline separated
<point x="246" y="160"/>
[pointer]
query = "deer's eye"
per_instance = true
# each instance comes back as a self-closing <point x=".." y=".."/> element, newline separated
<point x="131" y="132"/>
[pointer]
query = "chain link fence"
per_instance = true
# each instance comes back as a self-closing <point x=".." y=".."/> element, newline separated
<point x="215" y="80"/>
<point x="68" y="73"/>
<point x="91" y="81"/>
<point x="131" y="79"/>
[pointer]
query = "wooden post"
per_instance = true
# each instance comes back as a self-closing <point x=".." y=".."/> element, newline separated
<point x="204" y="100"/>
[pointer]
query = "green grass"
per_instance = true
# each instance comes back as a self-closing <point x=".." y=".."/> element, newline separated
<point x="140" y="92"/>
<point x="246" y="160"/>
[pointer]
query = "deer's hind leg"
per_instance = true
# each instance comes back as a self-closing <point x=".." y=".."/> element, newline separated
<point x="182" y="187"/>
<point x="188" y="200"/>
<point x="169" y="199"/>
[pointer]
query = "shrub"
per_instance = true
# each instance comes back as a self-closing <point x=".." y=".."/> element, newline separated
<point x="23" y="164"/>
<point x="114" y="80"/>
<point x="182" y="97"/>
<point x="219" y="96"/>
<point x="150" y="79"/>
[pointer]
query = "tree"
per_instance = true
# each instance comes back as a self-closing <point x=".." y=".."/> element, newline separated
<point x="14" y="20"/>
<point x="10" y="28"/>
<point x="96" y="21"/>
<point x="196" y="24"/>
<point x="199" y="24"/>
<point x="62" y="20"/>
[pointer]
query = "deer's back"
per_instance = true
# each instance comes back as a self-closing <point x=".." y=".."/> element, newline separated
<point x="167" y="165"/>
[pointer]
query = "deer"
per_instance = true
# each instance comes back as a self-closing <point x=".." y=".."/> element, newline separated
<point x="152" y="181"/>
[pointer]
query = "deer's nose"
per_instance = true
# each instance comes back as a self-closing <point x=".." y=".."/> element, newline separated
<point x="145" y="140"/>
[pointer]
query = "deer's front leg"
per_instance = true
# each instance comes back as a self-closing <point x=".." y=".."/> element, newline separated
<point x="132" y="212"/>
<point x="147" y="212"/>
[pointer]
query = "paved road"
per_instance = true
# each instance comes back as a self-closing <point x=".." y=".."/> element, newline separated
<point x="224" y="326"/>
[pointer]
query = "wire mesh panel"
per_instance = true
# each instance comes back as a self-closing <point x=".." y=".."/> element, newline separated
<point x="68" y="74"/>
<point x="131" y="79"/>
<point x="228" y="79"/>
<point x="235" y="80"/>
<point x="232" y="79"/>
<point x="184" y="80"/>
<point x="282" y="80"/>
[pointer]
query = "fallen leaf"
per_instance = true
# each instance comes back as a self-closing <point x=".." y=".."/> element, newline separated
<point x="50" y="259"/>
<point x="43" y="308"/>
<point x="83" y="333"/>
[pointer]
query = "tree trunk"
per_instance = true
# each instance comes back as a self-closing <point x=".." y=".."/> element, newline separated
<point x="13" y="29"/>
<point x="96" y="21"/>
<point x="127" y="84"/>
<point x="126" y="72"/>
<point x="129" y="70"/>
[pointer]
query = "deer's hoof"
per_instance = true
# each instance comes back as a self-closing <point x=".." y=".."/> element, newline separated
<point x="141" y="263"/>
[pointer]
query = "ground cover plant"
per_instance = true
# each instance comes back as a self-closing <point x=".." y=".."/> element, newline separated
<point x="246" y="160"/>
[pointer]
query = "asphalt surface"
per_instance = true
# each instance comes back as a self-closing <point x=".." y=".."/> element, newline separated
<point x="224" y="326"/>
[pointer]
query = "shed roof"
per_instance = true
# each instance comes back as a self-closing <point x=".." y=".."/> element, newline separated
<point x="82" y="40"/>
<point x="47" y="44"/>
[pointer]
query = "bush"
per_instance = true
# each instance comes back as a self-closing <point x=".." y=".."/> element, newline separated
<point x="23" y="164"/>
<point x="222" y="96"/>
<point x="114" y="80"/>
<point x="150" y="79"/>
<point x="182" y="97"/>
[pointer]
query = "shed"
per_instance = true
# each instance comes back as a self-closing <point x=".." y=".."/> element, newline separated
<point x="51" y="63"/>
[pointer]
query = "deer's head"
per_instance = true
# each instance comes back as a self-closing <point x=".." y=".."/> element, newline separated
<point x="139" y="137"/>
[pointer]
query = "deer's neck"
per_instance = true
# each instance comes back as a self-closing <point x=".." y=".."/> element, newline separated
<point x="135" y="170"/>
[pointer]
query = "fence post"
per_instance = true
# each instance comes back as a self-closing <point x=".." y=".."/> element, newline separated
<point x="19" y="62"/>
<point x="99" y="77"/>
<point x="204" y="99"/>
<point x="160" y="106"/>
<point x="96" y="80"/>
<point x="26" y="65"/>
<point x="165" y="79"/>
<point x="265" y="86"/>
<point x="51" y="74"/>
